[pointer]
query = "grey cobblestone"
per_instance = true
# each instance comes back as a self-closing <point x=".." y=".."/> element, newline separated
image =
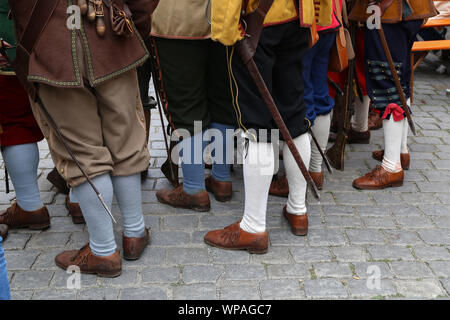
<point x="281" y="289"/>
<point x="195" y="292"/>
<point x="427" y="288"/>
<point x="195" y="274"/>
<point x="410" y="270"/>
<point x="363" y="289"/>
<point x="325" y="288"/>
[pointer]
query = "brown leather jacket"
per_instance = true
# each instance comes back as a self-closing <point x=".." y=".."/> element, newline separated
<point x="421" y="9"/>
<point x="54" y="60"/>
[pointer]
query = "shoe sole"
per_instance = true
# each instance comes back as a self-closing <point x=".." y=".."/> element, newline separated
<point x="250" y="250"/>
<point x="102" y="275"/>
<point x="392" y="185"/>
<point x="195" y="208"/>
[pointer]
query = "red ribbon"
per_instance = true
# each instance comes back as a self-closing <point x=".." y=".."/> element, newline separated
<point x="396" y="111"/>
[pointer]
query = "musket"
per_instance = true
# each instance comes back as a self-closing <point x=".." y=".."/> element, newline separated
<point x="34" y="94"/>
<point x="396" y="78"/>
<point x="171" y="174"/>
<point x="342" y="112"/>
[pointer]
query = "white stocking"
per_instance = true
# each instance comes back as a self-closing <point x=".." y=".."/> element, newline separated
<point x="393" y="133"/>
<point x="321" y="130"/>
<point x="360" y="120"/>
<point x="297" y="183"/>
<point x="258" y="171"/>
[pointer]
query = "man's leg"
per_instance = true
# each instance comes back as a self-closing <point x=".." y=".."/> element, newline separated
<point x="29" y="211"/>
<point x="295" y="209"/>
<point x="250" y="233"/>
<point x="22" y="163"/>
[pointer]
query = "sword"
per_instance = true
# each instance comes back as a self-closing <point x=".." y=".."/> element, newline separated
<point x="396" y="78"/>
<point x="60" y="136"/>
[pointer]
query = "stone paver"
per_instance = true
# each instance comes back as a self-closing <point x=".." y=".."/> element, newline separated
<point x="387" y="244"/>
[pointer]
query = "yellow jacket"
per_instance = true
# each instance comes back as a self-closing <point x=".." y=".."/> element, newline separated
<point x="225" y="17"/>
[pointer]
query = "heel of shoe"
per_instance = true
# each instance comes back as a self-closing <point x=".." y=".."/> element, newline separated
<point x="397" y="184"/>
<point x="222" y="198"/>
<point x="258" y="250"/>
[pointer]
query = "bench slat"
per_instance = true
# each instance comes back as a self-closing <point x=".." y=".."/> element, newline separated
<point x="431" y="45"/>
<point x="437" y="23"/>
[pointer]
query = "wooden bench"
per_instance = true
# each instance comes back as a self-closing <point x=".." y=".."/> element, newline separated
<point x="422" y="48"/>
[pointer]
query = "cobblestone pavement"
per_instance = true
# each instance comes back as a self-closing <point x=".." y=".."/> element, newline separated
<point x="401" y="235"/>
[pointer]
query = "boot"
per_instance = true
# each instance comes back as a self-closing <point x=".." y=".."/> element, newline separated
<point x="74" y="211"/>
<point x="405" y="158"/>
<point x="108" y="267"/>
<point x="14" y="217"/>
<point x="279" y="187"/>
<point x="134" y="247"/>
<point x="222" y="190"/>
<point x="179" y="199"/>
<point x="378" y="179"/>
<point x="234" y="238"/>
<point x="298" y="223"/>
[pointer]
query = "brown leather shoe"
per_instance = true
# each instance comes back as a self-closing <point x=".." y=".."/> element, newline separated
<point x="375" y="121"/>
<point x="379" y="178"/>
<point x="234" y="238"/>
<point x="318" y="179"/>
<point x="358" y="137"/>
<point x="298" y="223"/>
<point x="108" y="267"/>
<point x="279" y="187"/>
<point x="3" y="231"/>
<point x="222" y="190"/>
<point x="134" y="247"/>
<point x="179" y="199"/>
<point x="405" y="158"/>
<point x="74" y="211"/>
<point x="16" y="218"/>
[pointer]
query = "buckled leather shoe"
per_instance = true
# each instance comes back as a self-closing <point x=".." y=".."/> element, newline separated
<point x="405" y="158"/>
<point x="179" y="199"/>
<point x="222" y="190"/>
<point x="3" y="231"/>
<point x="318" y="179"/>
<point x="279" y="187"/>
<point x="15" y="217"/>
<point x="234" y="238"/>
<point x="298" y="223"/>
<point x="379" y="178"/>
<point x="358" y="137"/>
<point x="134" y="247"/>
<point x="74" y="211"/>
<point x="108" y="267"/>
